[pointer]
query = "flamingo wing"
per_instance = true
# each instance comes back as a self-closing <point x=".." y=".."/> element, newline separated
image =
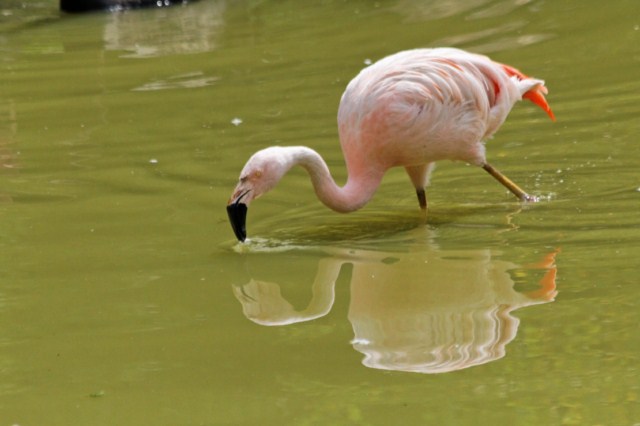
<point x="425" y="105"/>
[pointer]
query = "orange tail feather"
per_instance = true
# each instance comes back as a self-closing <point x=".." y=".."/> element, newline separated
<point x="535" y="95"/>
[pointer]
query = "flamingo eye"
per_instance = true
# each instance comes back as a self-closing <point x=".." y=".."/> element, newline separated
<point x="257" y="174"/>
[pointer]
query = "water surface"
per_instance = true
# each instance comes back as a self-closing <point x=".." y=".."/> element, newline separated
<point x="124" y="298"/>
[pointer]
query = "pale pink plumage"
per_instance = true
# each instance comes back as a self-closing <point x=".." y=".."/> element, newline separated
<point x="409" y="109"/>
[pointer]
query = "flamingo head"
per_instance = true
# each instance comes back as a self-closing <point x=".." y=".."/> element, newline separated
<point x="262" y="172"/>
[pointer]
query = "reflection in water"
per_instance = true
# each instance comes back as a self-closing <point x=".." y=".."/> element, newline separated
<point x="433" y="311"/>
<point x="263" y="304"/>
<point x="438" y="311"/>
<point x="194" y="29"/>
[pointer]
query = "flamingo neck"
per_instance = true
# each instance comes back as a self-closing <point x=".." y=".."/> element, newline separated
<point x="358" y="190"/>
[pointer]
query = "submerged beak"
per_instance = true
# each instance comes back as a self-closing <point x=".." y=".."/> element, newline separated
<point x="237" y="212"/>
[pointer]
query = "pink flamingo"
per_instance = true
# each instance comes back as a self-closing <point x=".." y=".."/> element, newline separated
<point x="409" y="109"/>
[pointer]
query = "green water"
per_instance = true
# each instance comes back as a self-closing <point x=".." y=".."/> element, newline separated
<point x="125" y="300"/>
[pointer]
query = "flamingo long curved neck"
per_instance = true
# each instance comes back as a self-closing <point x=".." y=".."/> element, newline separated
<point x="358" y="190"/>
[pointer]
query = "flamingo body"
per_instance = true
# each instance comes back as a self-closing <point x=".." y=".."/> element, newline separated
<point x="409" y="110"/>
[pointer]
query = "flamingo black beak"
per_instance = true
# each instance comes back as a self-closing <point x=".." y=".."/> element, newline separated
<point x="237" y="212"/>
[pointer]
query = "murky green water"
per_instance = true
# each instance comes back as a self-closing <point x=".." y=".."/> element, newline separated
<point x="125" y="300"/>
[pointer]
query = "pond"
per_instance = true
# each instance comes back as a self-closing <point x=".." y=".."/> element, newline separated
<point x="126" y="299"/>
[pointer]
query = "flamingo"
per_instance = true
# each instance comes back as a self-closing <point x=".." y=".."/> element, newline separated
<point x="409" y="109"/>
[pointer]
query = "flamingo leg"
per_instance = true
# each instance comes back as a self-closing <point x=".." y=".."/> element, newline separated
<point x="509" y="184"/>
<point x="419" y="176"/>
<point x="422" y="198"/>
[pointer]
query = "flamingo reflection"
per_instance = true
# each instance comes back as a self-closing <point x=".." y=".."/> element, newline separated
<point x="433" y="311"/>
